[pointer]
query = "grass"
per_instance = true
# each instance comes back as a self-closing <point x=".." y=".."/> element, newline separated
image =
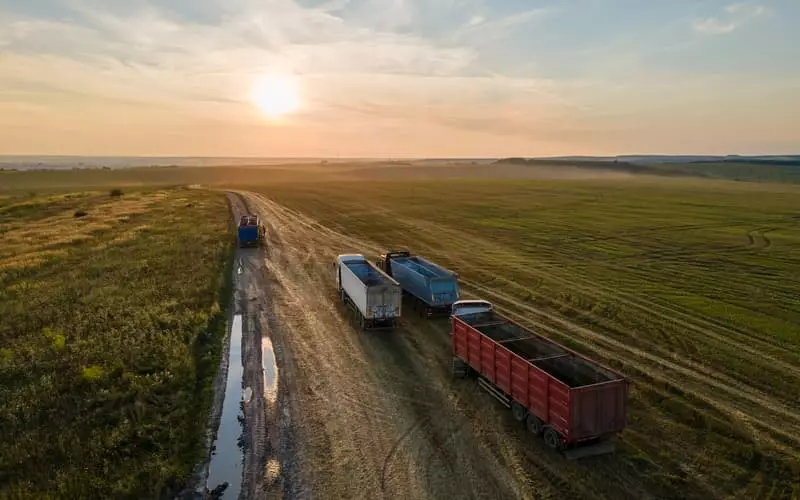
<point x="688" y="287"/>
<point x="54" y="181"/>
<point x="112" y="320"/>
<point x="110" y="337"/>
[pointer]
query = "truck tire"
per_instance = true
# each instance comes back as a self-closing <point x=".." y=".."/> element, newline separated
<point x="520" y="412"/>
<point x="552" y="439"/>
<point x="534" y="424"/>
<point x="460" y="368"/>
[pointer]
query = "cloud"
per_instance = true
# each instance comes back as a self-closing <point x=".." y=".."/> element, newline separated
<point x="146" y="52"/>
<point x="736" y="16"/>
<point x="483" y="28"/>
<point x="474" y="21"/>
<point x="134" y="64"/>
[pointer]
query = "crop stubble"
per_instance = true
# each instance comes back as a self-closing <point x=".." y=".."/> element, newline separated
<point x="699" y="428"/>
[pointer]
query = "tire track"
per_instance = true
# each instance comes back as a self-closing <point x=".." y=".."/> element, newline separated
<point x="545" y="474"/>
<point x="365" y="431"/>
<point x="387" y="461"/>
<point x="669" y="315"/>
<point x="249" y="298"/>
<point x="635" y="357"/>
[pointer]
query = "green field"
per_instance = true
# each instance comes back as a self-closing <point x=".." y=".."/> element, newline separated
<point x="110" y="336"/>
<point x="67" y="180"/>
<point x="111" y="322"/>
<point x="688" y="287"/>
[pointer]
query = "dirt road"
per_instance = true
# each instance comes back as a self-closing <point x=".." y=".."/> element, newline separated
<point x="375" y="415"/>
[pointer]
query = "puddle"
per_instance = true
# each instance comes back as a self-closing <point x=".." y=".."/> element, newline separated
<point x="270" y="370"/>
<point x="226" y="462"/>
<point x="273" y="471"/>
<point x="248" y="394"/>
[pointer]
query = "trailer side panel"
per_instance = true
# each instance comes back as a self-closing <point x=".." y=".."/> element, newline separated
<point x="572" y="394"/>
<point x="354" y="288"/>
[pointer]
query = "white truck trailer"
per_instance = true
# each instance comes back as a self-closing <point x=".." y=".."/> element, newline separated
<point x="374" y="297"/>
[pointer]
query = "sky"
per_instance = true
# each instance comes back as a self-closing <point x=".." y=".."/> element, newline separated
<point x="400" y="78"/>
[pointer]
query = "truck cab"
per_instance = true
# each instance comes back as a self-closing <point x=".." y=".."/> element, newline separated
<point x="467" y="307"/>
<point x="384" y="262"/>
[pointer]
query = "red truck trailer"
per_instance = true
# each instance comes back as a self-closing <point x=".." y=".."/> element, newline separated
<point x="576" y="404"/>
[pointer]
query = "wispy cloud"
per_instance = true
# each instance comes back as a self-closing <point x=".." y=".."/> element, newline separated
<point x="500" y="27"/>
<point x="474" y="21"/>
<point x="174" y="76"/>
<point x="736" y="16"/>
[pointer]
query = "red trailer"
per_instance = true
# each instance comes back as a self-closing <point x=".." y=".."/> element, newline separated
<point x="577" y="404"/>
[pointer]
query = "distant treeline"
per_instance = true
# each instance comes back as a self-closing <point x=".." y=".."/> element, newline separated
<point x="738" y="169"/>
<point x="610" y="165"/>
<point x="795" y="162"/>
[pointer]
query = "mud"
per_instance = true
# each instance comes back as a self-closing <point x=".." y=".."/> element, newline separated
<point x="339" y="413"/>
<point x="226" y="461"/>
<point x="259" y="380"/>
<point x="365" y="415"/>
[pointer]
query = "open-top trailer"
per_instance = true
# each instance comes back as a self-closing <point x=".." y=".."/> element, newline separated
<point x="576" y="404"/>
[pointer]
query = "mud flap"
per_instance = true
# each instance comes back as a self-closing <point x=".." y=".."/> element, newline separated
<point x="602" y="448"/>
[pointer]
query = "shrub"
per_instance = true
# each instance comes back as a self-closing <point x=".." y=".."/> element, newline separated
<point x="92" y="373"/>
<point x="81" y="213"/>
<point x="116" y="193"/>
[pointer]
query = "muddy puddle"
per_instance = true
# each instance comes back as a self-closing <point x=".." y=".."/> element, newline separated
<point x="270" y="370"/>
<point x="226" y="462"/>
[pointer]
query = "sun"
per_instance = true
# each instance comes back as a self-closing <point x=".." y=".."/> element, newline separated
<point x="276" y="95"/>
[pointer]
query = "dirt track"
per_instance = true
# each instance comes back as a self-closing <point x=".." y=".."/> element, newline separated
<point x="376" y="415"/>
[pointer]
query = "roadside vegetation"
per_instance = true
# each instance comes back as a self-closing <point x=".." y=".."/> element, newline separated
<point x="110" y="336"/>
<point x="688" y="287"/>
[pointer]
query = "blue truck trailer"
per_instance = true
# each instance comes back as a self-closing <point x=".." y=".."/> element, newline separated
<point x="432" y="288"/>
<point x="251" y="231"/>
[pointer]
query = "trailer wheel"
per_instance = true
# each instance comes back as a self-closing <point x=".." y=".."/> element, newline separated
<point x="552" y="439"/>
<point x="459" y="368"/>
<point x="534" y="424"/>
<point x="518" y="411"/>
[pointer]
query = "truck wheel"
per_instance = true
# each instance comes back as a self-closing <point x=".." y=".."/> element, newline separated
<point x="518" y="411"/>
<point x="534" y="424"/>
<point x="459" y="368"/>
<point x="552" y="439"/>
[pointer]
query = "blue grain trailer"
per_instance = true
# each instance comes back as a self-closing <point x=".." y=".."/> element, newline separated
<point x="432" y="288"/>
<point x="251" y="231"/>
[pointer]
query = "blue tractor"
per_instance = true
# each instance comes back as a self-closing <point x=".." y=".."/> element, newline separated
<point x="251" y="231"/>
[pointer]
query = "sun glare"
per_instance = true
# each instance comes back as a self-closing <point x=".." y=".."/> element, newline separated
<point x="276" y="95"/>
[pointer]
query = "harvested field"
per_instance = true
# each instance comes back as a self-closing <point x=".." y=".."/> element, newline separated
<point x="685" y="287"/>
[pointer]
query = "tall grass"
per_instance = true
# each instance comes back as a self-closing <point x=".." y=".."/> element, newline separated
<point x="110" y="334"/>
